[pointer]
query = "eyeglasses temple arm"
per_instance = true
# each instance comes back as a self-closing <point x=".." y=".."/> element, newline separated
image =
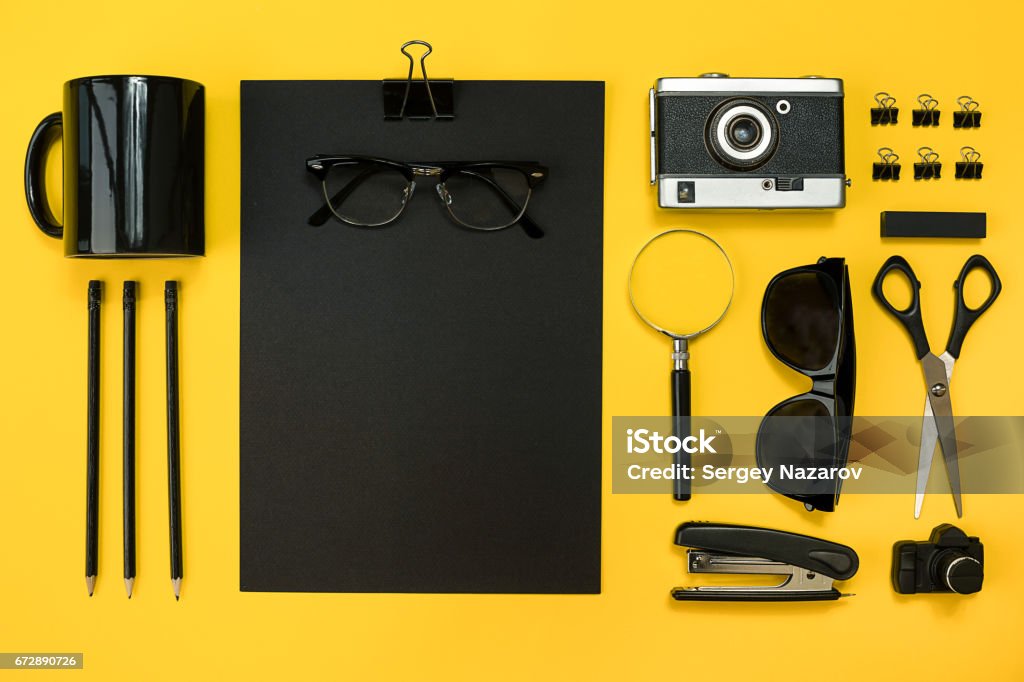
<point x="531" y="228"/>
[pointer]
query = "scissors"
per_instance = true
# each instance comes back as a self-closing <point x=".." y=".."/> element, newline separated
<point x="937" y="423"/>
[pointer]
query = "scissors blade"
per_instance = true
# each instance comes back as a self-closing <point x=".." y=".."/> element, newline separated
<point x="936" y="373"/>
<point x="929" y="438"/>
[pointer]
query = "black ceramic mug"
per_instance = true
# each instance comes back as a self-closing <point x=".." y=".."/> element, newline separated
<point x="133" y="167"/>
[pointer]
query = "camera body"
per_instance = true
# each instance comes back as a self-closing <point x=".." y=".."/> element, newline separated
<point x="949" y="561"/>
<point x="748" y="143"/>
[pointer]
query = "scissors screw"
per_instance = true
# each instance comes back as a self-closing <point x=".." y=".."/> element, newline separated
<point x="939" y="390"/>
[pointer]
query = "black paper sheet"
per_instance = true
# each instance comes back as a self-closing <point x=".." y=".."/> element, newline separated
<point x="420" y="403"/>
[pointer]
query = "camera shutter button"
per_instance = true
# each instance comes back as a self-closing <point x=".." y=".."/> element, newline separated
<point x="962" y="574"/>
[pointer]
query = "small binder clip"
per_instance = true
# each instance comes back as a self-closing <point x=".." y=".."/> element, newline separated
<point x="886" y="112"/>
<point x="418" y="99"/>
<point x="930" y="168"/>
<point x="968" y="116"/>
<point x="971" y="166"/>
<point x="888" y="167"/>
<point x="928" y="114"/>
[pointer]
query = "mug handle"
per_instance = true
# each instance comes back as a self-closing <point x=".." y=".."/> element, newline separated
<point x="46" y="133"/>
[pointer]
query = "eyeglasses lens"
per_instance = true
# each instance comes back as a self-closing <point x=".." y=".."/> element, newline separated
<point x="365" y="193"/>
<point x="487" y="197"/>
<point x="801" y="313"/>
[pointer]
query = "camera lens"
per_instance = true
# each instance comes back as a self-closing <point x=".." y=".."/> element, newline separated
<point x="741" y="134"/>
<point x="744" y="132"/>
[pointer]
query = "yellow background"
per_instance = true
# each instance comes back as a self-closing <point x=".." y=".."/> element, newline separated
<point x="632" y="630"/>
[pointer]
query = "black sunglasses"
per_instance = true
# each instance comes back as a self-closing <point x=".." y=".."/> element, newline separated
<point x="370" y="192"/>
<point x="807" y="322"/>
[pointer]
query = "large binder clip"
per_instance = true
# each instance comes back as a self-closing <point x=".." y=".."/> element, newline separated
<point x="809" y="564"/>
<point x="888" y="167"/>
<point x="929" y="168"/>
<point x="968" y="116"/>
<point x="886" y="113"/>
<point x="928" y="114"/>
<point x="418" y="99"/>
<point x="971" y="166"/>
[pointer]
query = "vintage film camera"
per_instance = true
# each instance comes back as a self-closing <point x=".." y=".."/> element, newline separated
<point x="748" y="143"/>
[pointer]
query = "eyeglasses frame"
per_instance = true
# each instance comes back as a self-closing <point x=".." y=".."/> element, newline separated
<point x="320" y="166"/>
<point x="841" y="369"/>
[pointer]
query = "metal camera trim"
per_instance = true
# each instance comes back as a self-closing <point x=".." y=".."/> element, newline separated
<point x="725" y="145"/>
<point x="947" y="578"/>
<point x="750" y="86"/>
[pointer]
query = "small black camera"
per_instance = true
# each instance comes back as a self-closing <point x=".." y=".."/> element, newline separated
<point x="748" y="143"/>
<point x="949" y="562"/>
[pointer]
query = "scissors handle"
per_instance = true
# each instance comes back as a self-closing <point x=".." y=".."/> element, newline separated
<point x="965" y="316"/>
<point x="910" y="316"/>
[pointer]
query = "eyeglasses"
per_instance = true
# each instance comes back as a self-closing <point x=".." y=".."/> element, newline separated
<point x="370" y="192"/>
<point x="807" y="322"/>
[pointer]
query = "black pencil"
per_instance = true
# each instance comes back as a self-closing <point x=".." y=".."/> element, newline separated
<point x="128" y="470"/>
<point x="92" y="448"/>
<point x="173" y="436"/>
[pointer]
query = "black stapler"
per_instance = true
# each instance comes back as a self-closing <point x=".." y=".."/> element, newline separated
<point x="809" y="564"/>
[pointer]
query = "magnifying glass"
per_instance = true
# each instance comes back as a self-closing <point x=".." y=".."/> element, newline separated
<point x="681" y="284"/>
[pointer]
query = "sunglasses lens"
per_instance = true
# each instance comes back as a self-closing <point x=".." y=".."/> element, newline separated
<point x="487" y="198"/>
<point x="801" y="319"/>
<point x="799" y="434"/>
<point x="366" y="193"/>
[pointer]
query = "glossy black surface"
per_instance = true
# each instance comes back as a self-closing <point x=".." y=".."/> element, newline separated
<point x="681" y="411"/>
<point x="910" y="317"/>
<point x="92" y="447"/>
<point x="46" y="133"/>
<point x="807" y="323"/>
<point x="128" y="431"/>
<point x="950" y="561"/>
<point x="814" y="554"/>
<point x="965" y="315"/>
<point x="173" y="433"/>
<point x="133" y="167"/>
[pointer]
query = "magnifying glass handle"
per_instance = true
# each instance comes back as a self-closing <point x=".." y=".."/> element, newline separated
<point x="681" y="428"/>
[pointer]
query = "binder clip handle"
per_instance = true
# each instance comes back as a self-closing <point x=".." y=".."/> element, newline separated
<point x="420" y="99"/>
<point x="967" y="103"/>
<point x="423" y="70"/>
<point x="885" y="100"/>
<point x="886" y="113"/>
<point x="968" y="116"/>
<point x="888" y="155"/>
<point x="928" y="155"/>
<point x="970" y="154"/>
<point x="929" y="167"/>
<point x="970" y="167"/>
<point x="887" y="167"/>
<point x="928" y="114"/>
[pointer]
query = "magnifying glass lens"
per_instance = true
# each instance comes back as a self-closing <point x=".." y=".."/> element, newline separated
<point x="681" y="282"/>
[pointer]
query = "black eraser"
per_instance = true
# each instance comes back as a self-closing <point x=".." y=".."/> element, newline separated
<point x="933" y="224"/>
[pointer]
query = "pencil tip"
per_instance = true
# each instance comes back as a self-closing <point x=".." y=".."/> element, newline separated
<point x="90" y="583"/>
<point x="176" y="584"/>
<point x="128" y="584"/>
